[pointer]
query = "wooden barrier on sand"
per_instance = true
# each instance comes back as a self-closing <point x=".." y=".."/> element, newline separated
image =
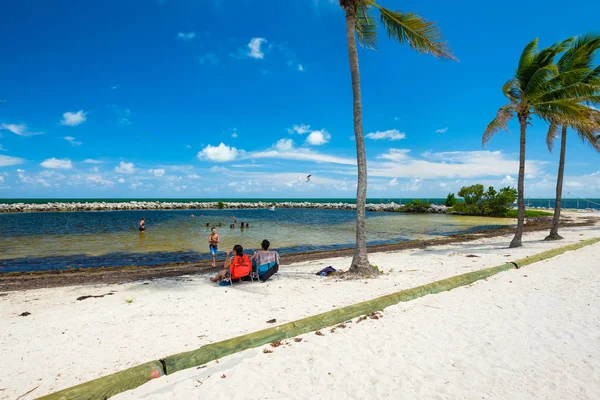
<point x="107" y="386"/>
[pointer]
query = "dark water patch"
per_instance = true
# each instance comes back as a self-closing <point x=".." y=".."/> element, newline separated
<point x="124" y="259"/>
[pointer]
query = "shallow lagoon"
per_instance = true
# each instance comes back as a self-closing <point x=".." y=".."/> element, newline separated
<point x="42" y="241"/>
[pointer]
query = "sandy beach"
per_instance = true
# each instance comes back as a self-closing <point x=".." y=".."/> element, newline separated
<point x="481" y="339"/>
<point x="532" y="333"/>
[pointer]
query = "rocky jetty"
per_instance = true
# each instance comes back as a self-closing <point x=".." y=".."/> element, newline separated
<point x="169" y="205"/>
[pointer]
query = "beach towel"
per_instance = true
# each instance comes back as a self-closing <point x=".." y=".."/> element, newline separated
<point x="326" y="271"/>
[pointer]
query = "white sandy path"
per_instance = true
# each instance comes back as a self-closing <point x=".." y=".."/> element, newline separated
<point x="532" y="333"/>
<point x="65" y="342"/>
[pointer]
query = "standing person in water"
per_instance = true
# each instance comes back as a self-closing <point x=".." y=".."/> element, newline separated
<point x="142" y="225"/>
<point x="213" y="244"/>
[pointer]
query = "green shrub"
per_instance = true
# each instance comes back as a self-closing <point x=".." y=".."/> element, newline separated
<point x="220" y="205"/>
<point x="417" y="206"/>
<point x="450" y="200"/>
<point x="490" y="203"/>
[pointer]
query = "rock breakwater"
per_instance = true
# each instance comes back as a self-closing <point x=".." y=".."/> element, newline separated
<point x="166" y="205"/>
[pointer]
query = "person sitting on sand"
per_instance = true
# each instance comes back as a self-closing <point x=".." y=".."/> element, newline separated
<point x="264" y="255"/>
<point x="237" y="259"/>
<point x="142" y="225"/>
<point x="213" y="244"/>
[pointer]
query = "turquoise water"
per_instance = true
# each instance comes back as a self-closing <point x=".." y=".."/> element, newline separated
<point x="531" y="202"/>
<point x="60" y="240"/>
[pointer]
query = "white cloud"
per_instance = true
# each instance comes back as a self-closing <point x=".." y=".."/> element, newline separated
<point x="55" y="163"/>
<point x="121" y="180"/>
<point x="2" y="148"/>
<point x="92" y="161"/>
<point x="395" y="155"/>
<point x="218" y="169"/>
<point x="300" y="68"/>
<point x="125" y="168"/>
<point x="297" y="154"/>
<point x="98" y="180"/>
<point x="72" y="140"/>
<point x="255" y="50"/>
<point x="508" y="180"/>
<point x="456" y="164"/>
<point x="186" y="35"/>
<point x="208" y="58"/>
<point x="300" y="129"/>
<point x="1" y="179"/>
<point x="220" y="153"/>
<point x="157" y="172"/>
<point x="7" y="161"/>
<point x="194" y="176"/>
<point x="393" y="182"/>
<point x="284" y="144"/>
<point x="73" y="118"/>
<point x="19" y="129"/>
<point x="317" y="138"/>
<point x="136" y="185"/>
<point x="443" y="130"/>
<point x="392" y="134"/>
<point x="234" y="135"/>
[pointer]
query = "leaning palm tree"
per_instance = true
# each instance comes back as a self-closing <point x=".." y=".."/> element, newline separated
<point x="406" y="28"/>
<point x="538" y="89"/>
<point x="576" y="61"/>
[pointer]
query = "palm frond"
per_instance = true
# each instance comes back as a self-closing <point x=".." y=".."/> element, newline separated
<point x="365" y="26"/>
<point x="500" y="123"/>
<point x="553" y="131"/>
<point x="567" y="112"/>
<point x="539" y="79"/>
<point x="420" y="34"/>
<point x="527" y="57"/>
<point x="580" y="54"/>
<point x="510" y="91"/>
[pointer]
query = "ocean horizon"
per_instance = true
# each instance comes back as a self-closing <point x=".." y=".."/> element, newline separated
<point x="535" y="202"/>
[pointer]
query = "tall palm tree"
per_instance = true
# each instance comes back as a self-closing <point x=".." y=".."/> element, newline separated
<point x="538" y="89"/>
<point x="577" y="60"/>
<point x="406" y="28"/>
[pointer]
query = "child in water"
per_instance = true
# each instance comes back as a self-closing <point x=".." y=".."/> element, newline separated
<point x="213" y="244"/>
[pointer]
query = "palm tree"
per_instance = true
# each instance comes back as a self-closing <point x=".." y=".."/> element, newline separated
<point x="576" y="61"/>
<point x="419" y="34"/>
<point x="538" y="89"/>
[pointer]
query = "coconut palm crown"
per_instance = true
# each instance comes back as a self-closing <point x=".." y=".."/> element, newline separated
<point x="538" y="88"/>
<point x="576" y="62"/>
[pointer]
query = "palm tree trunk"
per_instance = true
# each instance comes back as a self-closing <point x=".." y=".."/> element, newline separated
<point x="516" y="242"/>
<point x="360" y="261"/>
<point x="559" y="185"/>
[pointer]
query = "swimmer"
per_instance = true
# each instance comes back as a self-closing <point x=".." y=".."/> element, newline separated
<point x="213" y="244"/>
<point x="232" y="226"/>
<point x="192" y="216"/>
<point x="142" y="225"/>
<point x="247" y="225"/>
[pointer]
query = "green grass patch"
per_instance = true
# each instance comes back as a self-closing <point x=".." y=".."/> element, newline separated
<point x="528" y="214"/>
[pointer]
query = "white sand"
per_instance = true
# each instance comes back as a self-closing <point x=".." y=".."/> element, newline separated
<point x="65" y="342"/>
<point x="532" y="333"/>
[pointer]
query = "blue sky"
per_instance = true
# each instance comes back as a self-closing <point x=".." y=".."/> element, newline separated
<point x="230" y="98"/>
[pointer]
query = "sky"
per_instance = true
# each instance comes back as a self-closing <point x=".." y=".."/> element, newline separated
<point x="230" y="98"/>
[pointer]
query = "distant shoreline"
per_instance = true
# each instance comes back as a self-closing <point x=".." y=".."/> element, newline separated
<point x="17" y="205"/>
<point x="160" y="205"/>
